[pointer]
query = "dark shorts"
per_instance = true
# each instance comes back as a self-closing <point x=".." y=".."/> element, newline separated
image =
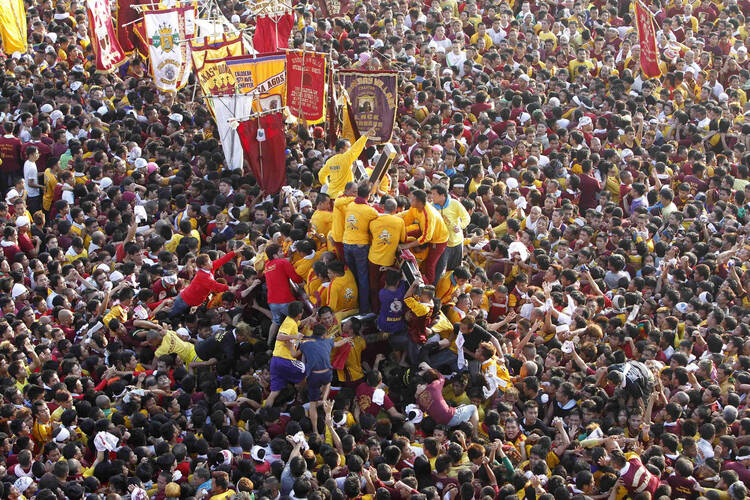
<point x="315" y="383"/>
<point x="285" y="371"/>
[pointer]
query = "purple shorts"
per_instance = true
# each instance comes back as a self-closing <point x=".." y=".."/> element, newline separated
<point x="285" y="371"/>
<point x="315" y="383"/>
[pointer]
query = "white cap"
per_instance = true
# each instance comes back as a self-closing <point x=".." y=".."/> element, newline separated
<point x="22" y="483"/>
<point x="52" y="36"/>
<point x="141" y="163"/>
<point x="18" y="290"/>
<point x="525" y="77"/>
<point x="22" y="221"/>
<point x="116" y="276"/>
<point x="511" y="182"/>
<point x="49" y="49"/>
<point x="413" y="413"/>
<point x="78" y="68"/>
<point x="681" y="307"/>
<point x="585" y="121"/>
<point x="103" y="267"/>
<point x="46" y="108"/>
<point x="235" y="19"/>
<point x="305" y="204"/>
<point x="626" y="153"/>
<point x="12" y="195"/>
<point x="228" y="395"/>
<point x="183" y="332"/>
<point x="105" y="182"/>
<point x="75" y="86"/>
<point x="176" y="117"/>
<point x="258" y="453"/>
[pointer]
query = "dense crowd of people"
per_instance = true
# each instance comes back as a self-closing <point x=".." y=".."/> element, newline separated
<point x="546" y="296"/>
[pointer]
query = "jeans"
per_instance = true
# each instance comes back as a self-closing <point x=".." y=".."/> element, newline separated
<point x="179" y="307"/>
<point x="279" y="312"/>
<point x="356" y="260"/>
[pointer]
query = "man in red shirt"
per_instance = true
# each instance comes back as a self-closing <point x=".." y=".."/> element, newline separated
<point x="202" y="285"/>
<point x="278" y="271"/>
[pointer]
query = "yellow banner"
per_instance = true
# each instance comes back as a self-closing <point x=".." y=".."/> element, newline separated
<point x="215" y="78"/>
<point x="13" y="26"/>
<point x="229" y="47"/>
<point x="264" y="76"/>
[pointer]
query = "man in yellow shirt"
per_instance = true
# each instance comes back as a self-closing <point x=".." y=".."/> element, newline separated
<point x="338" y="219"/>
<point x="433" y="232"/>
<point x="285" y="368"/>
<point x="342" y="294"/>
<point x="387" y="231"/>
<point x="358" y="216"/>
<point x="168" y="342"/>
<point x="456" y="219"/>
<point x="322" y="219"/>
<point x="337" y="171"/>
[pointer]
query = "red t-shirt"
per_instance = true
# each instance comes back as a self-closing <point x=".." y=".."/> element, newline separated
<point x="278" y="272"/>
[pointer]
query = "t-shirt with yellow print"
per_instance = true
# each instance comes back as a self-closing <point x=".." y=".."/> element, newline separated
<point x="353" y="367"/>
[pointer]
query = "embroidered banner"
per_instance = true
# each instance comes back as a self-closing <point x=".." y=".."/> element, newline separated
<point x="109" y="54"/>
<point x="167" y="33"/>
<point x="373" y="97"/>
<point x="306" y="85"/>
<point x="263" y="76"/>
<point x="644" y="21"/>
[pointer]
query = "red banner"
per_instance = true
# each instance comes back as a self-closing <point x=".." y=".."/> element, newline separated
<point x="272" y="33"/>
<point x="306" y="85"/>
<point x="644" y="21"/>
<point x="267" y="157"/>
<point x="109" y="54"/>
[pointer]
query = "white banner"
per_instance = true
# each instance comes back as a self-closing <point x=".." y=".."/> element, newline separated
<point x="226" y="108"/>
<point x="167" y="32"/>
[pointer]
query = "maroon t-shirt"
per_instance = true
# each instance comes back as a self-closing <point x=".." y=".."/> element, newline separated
<point x="10" y="153"/>
<point x="431" y="400"/>
<point x="365" y="402"/>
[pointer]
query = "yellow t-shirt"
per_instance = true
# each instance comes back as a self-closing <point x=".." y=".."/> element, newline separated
<point x="283" y="348"/>
<point x="321" y="221"/>
<point x="172" y="343"/>
<point x="357" y="218"/>
<point x="118" y="312"/>
<point x="339" y="217"/>
<point x="50" y="181"/>
<point x="342" y="293"/>
<point x="387" y="232"/>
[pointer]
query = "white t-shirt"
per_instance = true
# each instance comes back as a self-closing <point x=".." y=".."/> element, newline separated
<point x="30" y="173"/>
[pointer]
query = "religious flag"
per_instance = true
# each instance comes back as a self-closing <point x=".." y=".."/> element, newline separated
<point x="306" y="85"/>
<point x="264" y="143"/>
<point x="373" y="98"/>
<point x="272" y="32"/>
<point x="263" y="77"/>
<point x="167" y="33"/>
<point x="644" y="21"/>
<point x="204" y="48"/>
<point x="13" y="26"/>
<point x="109" y="54"/>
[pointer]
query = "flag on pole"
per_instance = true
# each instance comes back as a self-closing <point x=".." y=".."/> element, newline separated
<point x="306" y="85"/>
<point x="272" y="32"/>
<point x="644" y="22"/>
<point x="167" y="33"/>
<point x="264" y="143"/>
<point x="109" y="54"/>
